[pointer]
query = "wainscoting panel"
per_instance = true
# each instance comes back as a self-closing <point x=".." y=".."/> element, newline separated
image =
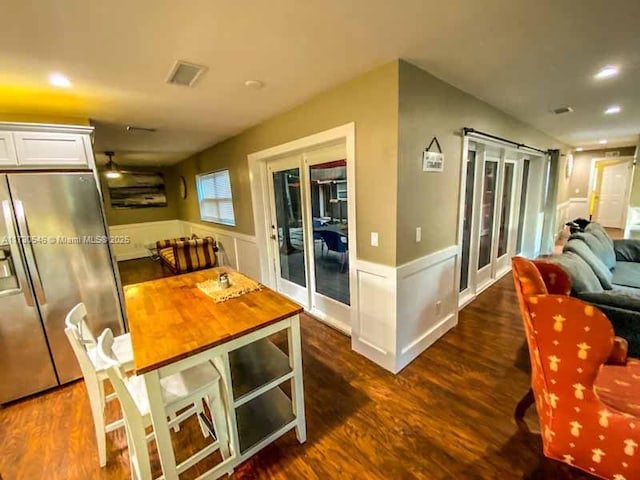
<point x="141" y="236"/>
<point x="562" y="216"/>
<point x="578" y="208"/>
<point x="373" y="332"/>
<point x="237" y="250"/>
<point x="427" y="303"/>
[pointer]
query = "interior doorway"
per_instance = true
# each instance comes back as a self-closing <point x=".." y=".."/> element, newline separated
<point x="303" y="194"/>
<point x="611" y="192"/>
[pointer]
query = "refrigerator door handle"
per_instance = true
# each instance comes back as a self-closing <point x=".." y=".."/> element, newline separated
<point x="28" y="252"/>
<point x="15" y="253"/>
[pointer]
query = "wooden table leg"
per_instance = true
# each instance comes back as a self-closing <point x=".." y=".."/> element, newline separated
<point x="297" y="386"/>
<point x="160" y="425"/>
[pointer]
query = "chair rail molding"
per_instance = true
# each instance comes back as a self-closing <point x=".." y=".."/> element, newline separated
<point x="237" y="250"/>
<point x="397" y="312"/>
<point x="141" y="236"/>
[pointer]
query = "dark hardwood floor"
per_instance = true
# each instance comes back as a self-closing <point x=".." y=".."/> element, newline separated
<point x="448" y="415"/>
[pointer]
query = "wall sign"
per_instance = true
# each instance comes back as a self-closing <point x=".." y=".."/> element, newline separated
<point x="433" y="161"/>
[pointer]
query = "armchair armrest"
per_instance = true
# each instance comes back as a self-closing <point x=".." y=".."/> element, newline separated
<point x="619" y="352"/>
<point x="627" y="250"/>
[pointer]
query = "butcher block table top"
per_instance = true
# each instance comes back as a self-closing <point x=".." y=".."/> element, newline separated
<point x="171" y="318"/>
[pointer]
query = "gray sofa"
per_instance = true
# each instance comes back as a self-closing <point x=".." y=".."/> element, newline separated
<point x="606" y="273"/>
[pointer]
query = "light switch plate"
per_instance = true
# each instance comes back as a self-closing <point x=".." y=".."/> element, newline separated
<point x="374" y="239"/>
<point x="418" y="234"/>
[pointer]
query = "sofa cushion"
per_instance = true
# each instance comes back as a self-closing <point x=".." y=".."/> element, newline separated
<point x="618" y="386"/>
<point x="600" y="269"/>
<point x="627" y="274"/>
<point x="599" y="242"/>
<point x="167" y="255"/>
<point x="582" y="277"/>
<point x="627" y="250"/>
<point x="615" y="298"/>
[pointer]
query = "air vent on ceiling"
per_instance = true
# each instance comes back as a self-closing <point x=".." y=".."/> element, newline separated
<point x="186" y="74"/>
<point x="561" y="110"/>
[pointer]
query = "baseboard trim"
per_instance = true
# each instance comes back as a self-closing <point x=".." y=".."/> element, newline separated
<point x="424" y="341"/>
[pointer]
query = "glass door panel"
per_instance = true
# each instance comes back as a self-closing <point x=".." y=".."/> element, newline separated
<point x="487" y="213"/>
<point x="523" y="204"/>
<point x="505" y="213"/>
<point x="466" y="225"/>
<point x="329" y="197"/>
<point x="287" y="229"/>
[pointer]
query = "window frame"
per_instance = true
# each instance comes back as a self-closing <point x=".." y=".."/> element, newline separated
<point x="219" y="221"/>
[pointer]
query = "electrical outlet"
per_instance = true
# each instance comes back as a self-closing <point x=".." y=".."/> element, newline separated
<point x="418" y="234"/>
<point x="374" y="239"/>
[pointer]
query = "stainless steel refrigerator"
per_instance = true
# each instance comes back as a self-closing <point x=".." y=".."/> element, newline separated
<point x="53" y="254"/>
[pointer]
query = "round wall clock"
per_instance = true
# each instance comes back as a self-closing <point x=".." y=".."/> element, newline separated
<point x="183" y="187"/>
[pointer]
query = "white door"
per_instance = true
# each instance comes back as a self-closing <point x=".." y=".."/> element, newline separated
<point x="487" y="212"/>
<point x="287" y="229"/>
<point x="326" y="198"/>
<point x="612" y="196"/>
<point x="507" y="226"/>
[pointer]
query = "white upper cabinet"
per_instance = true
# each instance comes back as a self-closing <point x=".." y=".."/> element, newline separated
<point x="47" y="149"/>
<point x="7" y="150"/>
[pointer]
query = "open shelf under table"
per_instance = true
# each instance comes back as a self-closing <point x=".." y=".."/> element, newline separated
<point x="263" y="416"/>
<point x="257" y="367"/>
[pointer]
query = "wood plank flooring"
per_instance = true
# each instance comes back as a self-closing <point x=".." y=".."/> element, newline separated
<point x="448" y="415"/>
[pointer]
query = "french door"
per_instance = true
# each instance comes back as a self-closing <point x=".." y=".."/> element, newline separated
<point x="500" y="195"/>
<point x="287" y="230"/>
<point x="310" y="231"/>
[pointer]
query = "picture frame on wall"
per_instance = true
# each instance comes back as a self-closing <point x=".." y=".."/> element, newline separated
<point x="137" y="190"/>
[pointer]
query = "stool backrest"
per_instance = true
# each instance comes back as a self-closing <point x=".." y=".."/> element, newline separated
<point x="79" y="337"/>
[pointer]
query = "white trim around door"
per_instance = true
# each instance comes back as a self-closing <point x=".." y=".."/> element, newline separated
<point x="260" y="199"/>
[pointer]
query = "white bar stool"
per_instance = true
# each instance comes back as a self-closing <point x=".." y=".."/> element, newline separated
<point x="181" y="392"/>
<point x="84" y="346"/>
<point x="94" y="371"/>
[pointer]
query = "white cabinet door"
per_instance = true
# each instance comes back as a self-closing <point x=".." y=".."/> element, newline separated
<point x="49" y="149"/>
<point x="7" y="150"/>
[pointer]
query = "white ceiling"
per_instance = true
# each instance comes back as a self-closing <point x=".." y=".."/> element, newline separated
<point x="524" y="57"/>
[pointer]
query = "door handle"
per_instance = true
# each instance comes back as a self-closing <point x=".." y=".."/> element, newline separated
<point x="15" y="254"/>
<point x="29" y="254"/>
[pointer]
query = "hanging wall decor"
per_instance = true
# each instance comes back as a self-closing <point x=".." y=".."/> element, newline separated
<point x="137" y="190"/>
<point x="433" y="161"/>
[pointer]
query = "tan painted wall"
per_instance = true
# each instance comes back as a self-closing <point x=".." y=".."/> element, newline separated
<point x="371" y="101"/>
<point x="430" y="107"/>
<point x="579" y="183"/>
<point x="121" y="216"/>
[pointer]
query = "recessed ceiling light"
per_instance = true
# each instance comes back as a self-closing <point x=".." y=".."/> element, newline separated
<point x="255" y="84"/>
<point x="613" y="109"/>
<point x="602" y="142"/>
<point x="579" y="149"/>
<point x="607" y="72"/>
<point x="59" y="80"/>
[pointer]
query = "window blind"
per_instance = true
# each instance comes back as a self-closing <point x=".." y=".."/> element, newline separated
<point x="215" y="197"/>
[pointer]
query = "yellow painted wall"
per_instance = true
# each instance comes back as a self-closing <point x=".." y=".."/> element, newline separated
<point x="371" y="101"/>
<point x="42" y="118"/>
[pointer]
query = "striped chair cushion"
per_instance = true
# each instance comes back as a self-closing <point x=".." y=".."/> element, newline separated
<point x="161" y="244"/>
<point x="168" y="257"/>
<point x="195" y="254"/>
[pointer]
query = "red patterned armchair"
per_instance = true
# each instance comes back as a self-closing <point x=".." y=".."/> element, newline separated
<point x="589" y="409"/>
